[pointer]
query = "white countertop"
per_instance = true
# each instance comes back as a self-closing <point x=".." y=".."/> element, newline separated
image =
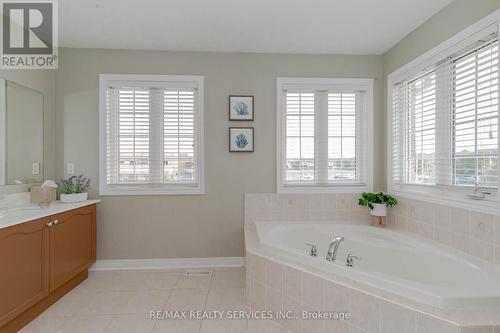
<point x="10" y="216"/>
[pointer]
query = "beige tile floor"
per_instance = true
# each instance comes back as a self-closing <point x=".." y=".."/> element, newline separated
<point x="120" y="301"/>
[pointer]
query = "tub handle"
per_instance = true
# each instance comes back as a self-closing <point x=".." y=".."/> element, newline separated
<point x="314" y="250"/>
<point x="350" y="260"/>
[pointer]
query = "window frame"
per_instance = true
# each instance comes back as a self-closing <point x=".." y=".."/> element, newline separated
<point x="454" y="196"/>
<point x="105" y="80"/>
<point x="343" y="84"/>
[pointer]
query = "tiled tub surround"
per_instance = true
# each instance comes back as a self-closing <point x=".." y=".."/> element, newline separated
<point x="404" y="265"/>
<point x="472" y="232"/>
<point x="278" y="283"/>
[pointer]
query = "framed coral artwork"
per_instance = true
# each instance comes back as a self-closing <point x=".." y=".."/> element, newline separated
<point x="241" y="139"/>
<point x="241" y="108"/>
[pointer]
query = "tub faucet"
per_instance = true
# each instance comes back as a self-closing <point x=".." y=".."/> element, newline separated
<point x="349" y="262"/>
<point x="331" y="255"/>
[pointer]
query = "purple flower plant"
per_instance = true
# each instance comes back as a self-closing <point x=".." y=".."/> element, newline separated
<point x="74" y="184"/>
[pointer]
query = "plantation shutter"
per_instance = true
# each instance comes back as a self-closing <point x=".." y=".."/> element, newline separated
<point x="128" y="148"/>
<point x="179" y="136"/>
<point x="345" y="137"/>
<point x="323" y="136"/>
<point x="151" y="135"/>
<point x="300" y="165"/>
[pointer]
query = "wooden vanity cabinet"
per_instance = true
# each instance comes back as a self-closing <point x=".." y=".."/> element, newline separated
<point x="24" y="273"/>
<point x="41" y="260"/>
<point x="72" y="244"/>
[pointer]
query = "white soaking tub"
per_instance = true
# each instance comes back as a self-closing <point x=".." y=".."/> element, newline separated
<point x="391" y="261"/>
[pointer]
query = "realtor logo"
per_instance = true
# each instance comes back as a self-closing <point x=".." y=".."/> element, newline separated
<point x="29" y="34"/>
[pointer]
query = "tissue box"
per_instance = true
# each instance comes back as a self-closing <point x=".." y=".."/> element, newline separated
<point x="43" y="195"/>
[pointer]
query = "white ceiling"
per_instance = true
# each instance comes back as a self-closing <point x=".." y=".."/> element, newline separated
<point x="269" y="26"/>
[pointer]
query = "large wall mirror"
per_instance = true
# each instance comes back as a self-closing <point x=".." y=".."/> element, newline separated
<point x="21" y="134"/>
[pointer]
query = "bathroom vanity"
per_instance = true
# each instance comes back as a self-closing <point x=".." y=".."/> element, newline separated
<point x="44" y="253"/>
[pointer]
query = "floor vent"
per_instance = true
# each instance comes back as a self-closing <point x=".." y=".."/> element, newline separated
<point x="205" y="272"/>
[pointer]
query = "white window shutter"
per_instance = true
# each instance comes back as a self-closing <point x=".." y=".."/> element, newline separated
<point x="345" y="137"/>
<point x="152" y="130"/>
<point x="179" y="137"/>
<point x="475" y="122"/>
<point x="399" y="130"/>
<point x="421" y="128"/>
<point x="324" y="134"/>
<point x="300" y="130"/>
<point x="156" y="135"/>
<point x="445" y="122"/>
<point x="133" y="122"/>
<point x="444" y="115"/>
<point x="112" y="138"/>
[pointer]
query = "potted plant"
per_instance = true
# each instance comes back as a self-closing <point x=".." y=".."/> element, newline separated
<point x="74" y="189"/>
<point x="378" y="203"/>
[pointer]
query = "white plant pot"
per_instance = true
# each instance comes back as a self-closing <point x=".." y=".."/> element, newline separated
<point x="76" y="197"/>
<point x="379" y="210"/>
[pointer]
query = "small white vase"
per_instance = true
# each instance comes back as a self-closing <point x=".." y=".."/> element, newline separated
<point x="379" y="210"/>
<point x="76" y="197"/>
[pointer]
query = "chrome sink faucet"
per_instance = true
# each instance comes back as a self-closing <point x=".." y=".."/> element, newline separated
<point x="331" y="255"/>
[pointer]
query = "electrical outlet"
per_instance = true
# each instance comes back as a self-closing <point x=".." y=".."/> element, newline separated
<point x="70" y="169"/>
<point x="35" y="168"/>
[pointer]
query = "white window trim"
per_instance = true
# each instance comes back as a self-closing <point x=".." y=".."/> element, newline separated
<point x="437" y="194"/>
<point x="343" y="84"/>
<point x="164" y="189"/>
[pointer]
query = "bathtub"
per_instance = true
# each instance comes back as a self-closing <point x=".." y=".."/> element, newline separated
<point x="417" y="269"/>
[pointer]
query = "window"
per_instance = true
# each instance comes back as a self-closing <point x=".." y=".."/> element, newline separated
<point x="444" y="121"/>
<point x="324" y="134"/>
<point x="415" y="161"/>
<point x="151" y="134"/>
<point x="475" y="117"/>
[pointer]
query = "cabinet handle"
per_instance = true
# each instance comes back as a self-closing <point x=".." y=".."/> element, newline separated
<point x="52" y="223"/>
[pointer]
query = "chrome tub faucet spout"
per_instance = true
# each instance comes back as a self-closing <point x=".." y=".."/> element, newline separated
<point x="331" y="255"/>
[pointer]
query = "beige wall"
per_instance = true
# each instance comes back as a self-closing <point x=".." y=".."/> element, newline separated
<point x="449" y="21"/>
<point x="191" y="226"/>
<point x="44" y="82"/>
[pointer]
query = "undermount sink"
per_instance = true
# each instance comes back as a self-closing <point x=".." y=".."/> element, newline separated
<point x="18" y="211"/>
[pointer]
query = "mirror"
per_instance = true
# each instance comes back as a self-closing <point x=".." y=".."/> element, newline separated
<point x="21" y="134"/>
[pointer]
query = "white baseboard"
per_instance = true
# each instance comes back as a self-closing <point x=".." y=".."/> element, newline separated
<point x="137" y="264"/>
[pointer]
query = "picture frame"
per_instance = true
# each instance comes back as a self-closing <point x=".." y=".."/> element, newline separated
<point x="241" y="139"/>
<point x="241" y="108"/>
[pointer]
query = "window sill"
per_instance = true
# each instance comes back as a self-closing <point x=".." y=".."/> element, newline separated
<point x="451" y="198"/>
<point x="125" y="190"/>
<point x="338" y="188"/>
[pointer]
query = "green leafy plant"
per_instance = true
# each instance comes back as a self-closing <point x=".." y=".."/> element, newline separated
<point x="370" y="198"/>
<point x="74" y="185"/>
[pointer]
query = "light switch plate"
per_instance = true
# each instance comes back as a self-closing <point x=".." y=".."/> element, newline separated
<point x="35" y="168"/>
<point x="70" y="169"/>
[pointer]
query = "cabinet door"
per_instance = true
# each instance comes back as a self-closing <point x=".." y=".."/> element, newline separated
<point x="24" y="267"/>
<point x="72" y="244"/>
